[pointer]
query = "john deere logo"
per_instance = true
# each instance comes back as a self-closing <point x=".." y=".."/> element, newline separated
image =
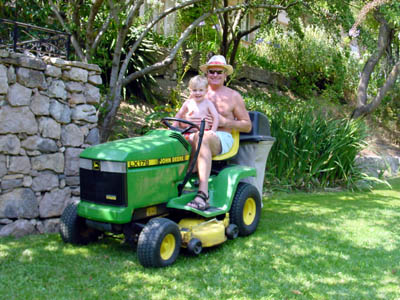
<point x="96" y="165"/>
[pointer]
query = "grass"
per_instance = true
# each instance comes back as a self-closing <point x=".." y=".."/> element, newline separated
<point x="308" y="246"/>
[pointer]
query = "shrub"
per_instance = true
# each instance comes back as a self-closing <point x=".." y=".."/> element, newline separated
<point x="314" y="62"/>
<point x="311" y="149"/>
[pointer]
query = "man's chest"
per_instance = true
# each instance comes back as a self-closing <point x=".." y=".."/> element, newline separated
<point x="223" y="106"/>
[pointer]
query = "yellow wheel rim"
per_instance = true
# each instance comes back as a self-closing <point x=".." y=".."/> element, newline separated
<point x="249" y="211"/>
<point x="167" y="246"/>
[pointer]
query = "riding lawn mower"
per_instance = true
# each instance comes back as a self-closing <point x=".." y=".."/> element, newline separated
<point x="140" y="187"/>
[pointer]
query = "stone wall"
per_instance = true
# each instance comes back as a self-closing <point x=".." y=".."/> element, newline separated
<point x="47" y="117"/>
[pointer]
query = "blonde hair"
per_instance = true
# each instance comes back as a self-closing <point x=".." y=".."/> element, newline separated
<point x="198" y="80"/>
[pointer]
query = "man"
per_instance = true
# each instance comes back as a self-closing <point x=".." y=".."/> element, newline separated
<point x="232" y="115"/>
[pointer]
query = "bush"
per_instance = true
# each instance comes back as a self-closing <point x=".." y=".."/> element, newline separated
<point x="311" y="150"/>
<point x="314" y="62"/>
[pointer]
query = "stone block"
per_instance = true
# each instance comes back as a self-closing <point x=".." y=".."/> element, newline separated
<point x="76" y="74"/>
<point x="60" y="112"/>
<point x="18" y="95"/>
<point x="93" y="138"/>
<point x="84" y="112"/>
<point x="72" y="161"/>
<point x="54" y="202"/>
<point x="92" y="94"/>
<point x="45" y="181"/>
<point x="10" y="144"/>
<point x="3" y="80"/>
<point x="57" y="90"/>
<point x="40" y="105"/>
<point x="76" y="98"/>
<point x="71" y="135"/>
<point x="49" y="128"/>
<point x="53" y="71"/>
<point x="31" y="63"/>
<point x="3" y="166"/>
<point x="95" y="79"/>
<point x="31" y="78"/>
<point x="20" y="165"/>
<point x="74" y="87"/>
<point x="53" y="162"/>
<point x="17" y="120"/>
<point x="19" y="203"/>
<point x="18" y="229"/>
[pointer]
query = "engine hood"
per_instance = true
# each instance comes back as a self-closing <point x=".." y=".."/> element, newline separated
<point x="156" y="144"/>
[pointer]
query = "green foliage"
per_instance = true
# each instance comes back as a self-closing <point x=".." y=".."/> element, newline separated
<point x="312" y="149"/>
<point x="205" y="38"/>
<point x="145" y="55"/>
<point x="27" y="11"/>
<point x="312" y="63"/>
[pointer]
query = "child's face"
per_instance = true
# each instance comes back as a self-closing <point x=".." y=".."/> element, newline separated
<point x="198" y="92"/>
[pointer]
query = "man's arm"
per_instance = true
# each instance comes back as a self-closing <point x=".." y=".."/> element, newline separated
<point x="242" y="122"/>
<point x="214" y="114"/>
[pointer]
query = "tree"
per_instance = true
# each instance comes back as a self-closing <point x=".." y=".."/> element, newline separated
<point x="385" y="13"/>
<point x="89" y="21"/>
<point x="231" y="31"/>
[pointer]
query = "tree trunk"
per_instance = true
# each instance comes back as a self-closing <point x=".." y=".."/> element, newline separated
<point x="363" y="108"/>
<point x="113" y="101"/>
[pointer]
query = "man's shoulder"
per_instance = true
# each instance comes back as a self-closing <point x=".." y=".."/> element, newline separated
<point x="233" y="93"/>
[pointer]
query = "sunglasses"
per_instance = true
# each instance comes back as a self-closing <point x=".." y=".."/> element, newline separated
<point x="219" y="72"/>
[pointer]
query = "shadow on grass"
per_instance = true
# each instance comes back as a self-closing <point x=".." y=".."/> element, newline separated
<point x="327" y="246"/>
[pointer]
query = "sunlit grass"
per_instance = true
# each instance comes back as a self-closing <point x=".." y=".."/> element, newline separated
<point x="308" y="246"/>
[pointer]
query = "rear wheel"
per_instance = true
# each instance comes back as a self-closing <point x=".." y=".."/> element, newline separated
<point x="246" y="209"/>
<point x="159" y="243"/>
<point x="73" y="228"/>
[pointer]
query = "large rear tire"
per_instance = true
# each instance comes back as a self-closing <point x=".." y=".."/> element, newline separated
<point x="73" y="228"/>
<point x="159" y="243"/>
<point x="246" y="209"/>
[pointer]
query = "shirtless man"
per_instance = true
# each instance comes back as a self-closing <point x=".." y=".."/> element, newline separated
<point x="232" y="115"/>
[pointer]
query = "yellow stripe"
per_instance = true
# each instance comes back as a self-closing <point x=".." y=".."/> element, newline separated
<point x="156" y="161"/>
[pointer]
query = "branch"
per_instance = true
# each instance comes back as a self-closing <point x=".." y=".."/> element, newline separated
<point x="172" y="54"/>
<point x="120" y="42"/>
<point x="383" y="41"/>
<point x="100" y="34"/>
<point x="89" y="27"/>
<point x="391" y="79"/>
<point x="182" y="38"/>
<point x="363" y="13"/>
<point x="146" y="31"/>
<point x="74" y="41"/>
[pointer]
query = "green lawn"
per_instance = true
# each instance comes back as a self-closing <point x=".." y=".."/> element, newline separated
<point x="308" y="246"/>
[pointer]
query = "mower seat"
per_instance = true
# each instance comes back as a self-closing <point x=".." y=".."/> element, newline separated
<point x="235" y="147"/>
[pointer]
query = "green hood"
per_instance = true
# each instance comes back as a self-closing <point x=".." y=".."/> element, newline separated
<point x="154" y="145"/>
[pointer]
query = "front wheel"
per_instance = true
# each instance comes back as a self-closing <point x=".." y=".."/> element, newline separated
<point x="73" y="228"/>
<point x="246" y="209"/>
<point x="159" y="243"/>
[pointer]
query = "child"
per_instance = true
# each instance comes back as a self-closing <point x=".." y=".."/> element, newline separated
<point x="197" y="107"/>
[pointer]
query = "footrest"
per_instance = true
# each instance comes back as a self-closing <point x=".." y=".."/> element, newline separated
<point x="213" y="209"/>
<point x="180" y="203"/>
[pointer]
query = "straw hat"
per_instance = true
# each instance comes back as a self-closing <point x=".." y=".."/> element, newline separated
<point x="217" y="61"/>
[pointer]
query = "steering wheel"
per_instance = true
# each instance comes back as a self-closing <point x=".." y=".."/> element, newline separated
<point x="191" y="124"/>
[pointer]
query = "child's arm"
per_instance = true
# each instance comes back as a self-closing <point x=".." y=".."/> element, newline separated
<point x="180" y="114"/>
<point x="215" y="115"/>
